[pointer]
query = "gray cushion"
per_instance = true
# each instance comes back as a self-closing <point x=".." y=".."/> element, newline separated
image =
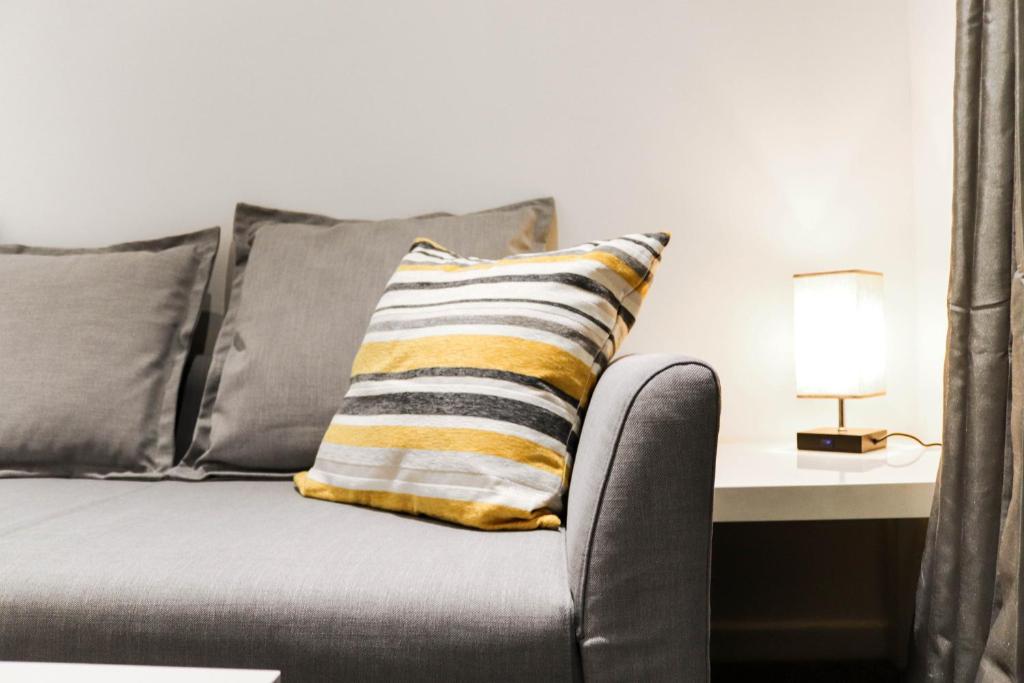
<point x="250" y="574"/>
<point x="92" y="346"/>
<point x="302" y="295"/>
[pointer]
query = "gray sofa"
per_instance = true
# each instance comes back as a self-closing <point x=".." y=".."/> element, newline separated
<point x="232" y="573"/>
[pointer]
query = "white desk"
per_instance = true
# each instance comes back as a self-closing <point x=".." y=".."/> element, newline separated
<point x="41" y="672"/>
<point x="764" y="482"/>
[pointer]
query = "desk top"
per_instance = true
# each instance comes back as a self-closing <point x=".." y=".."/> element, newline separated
<point x="776" y="482"/>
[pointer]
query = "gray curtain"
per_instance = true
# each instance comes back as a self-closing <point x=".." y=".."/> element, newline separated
<point x="968" y="611"/>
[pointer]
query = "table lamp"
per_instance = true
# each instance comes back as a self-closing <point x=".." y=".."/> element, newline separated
<point x="839" y="335"/>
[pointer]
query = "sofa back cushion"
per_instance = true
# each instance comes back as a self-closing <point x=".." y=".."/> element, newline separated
<point x="303" y="290"/>
<point x="92" y="347"/>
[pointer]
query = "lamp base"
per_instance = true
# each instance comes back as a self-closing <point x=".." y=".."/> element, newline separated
<point x="836" y="440"/>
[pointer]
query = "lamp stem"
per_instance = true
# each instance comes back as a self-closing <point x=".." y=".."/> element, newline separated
<point x="842" y="415"/>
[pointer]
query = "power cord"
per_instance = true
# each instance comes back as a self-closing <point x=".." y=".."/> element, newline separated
<point x="909" y="436"/>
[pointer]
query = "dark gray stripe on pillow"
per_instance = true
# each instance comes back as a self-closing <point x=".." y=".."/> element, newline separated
<point x="466" y="405"/>
<point x="525" y="380"/>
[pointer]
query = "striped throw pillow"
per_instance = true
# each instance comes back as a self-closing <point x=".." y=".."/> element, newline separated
<point x="468" y="391"/>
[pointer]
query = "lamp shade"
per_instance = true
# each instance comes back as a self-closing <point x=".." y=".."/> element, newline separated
<point x="839" y="334"/>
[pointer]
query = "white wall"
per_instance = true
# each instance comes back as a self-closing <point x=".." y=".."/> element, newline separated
<point x="771" y="138"/>
<point x="932" y="32"/>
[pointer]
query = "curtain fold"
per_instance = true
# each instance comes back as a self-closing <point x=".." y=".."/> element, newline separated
<point x="968" y="611"/>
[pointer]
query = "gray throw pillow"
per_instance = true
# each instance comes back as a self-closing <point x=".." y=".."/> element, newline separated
<point x="303" y="289"/>
<point x="92" y="347"/>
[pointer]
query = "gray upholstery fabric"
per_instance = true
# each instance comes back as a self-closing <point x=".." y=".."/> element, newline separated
<point x="968" y="614"/>
<point x="27" y="502"/>
<point x="302" y="295"/>
<point x="92" y="347"/>
<point x="250" y="574"/>
<point x="540" y="234"/>
<point x="638" y="530"/>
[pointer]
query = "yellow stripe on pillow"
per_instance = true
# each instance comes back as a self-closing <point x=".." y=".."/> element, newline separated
<point x="467" y="513"/>
<point x="614" y="264"/>
<point x="525" y="356"/>
<point x="460" y="440"/>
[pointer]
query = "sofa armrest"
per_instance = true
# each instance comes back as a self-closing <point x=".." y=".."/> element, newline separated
<point x="638" y="526"/>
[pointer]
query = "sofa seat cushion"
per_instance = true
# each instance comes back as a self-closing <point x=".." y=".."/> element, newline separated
<point x="27" y="502"/>
<point x="250" y="574"/>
